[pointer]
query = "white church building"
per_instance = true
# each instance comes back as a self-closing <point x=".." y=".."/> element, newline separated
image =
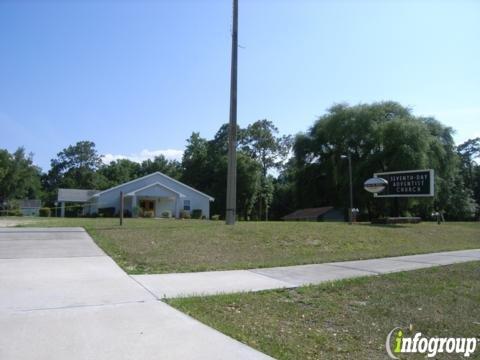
<point x="157" y="193"/>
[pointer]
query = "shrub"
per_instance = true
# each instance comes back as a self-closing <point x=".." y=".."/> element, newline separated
<point x="15" y="212"/>
<point x="196" y="213"/>
<point x="74" y="210"/>
<point x="44" y="212"/>
<point x="216" y="217"/>
<point x="148" y="214"/>
<point x="184" y="214"/>
<point x="166" y="214"/>
<point x="127" y="213"/>
<point x="106" y="212"/>
<point x="397" y="220"/>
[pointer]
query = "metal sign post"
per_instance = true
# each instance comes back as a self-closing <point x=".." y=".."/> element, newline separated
<point x="122" y="203"/>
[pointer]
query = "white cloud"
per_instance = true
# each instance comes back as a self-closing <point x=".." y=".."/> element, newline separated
<point x="170" y="154"/>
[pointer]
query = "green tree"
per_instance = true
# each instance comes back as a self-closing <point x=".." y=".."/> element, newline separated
<point x="476" y="188"/>
<point x="468" y="153"/>
<point x="460" y="204"/>
<point x="262" y="142"/>
<point x="117" y="172"/>
<point x="265" y="195"/>
<point x="204" y="167"/>
<point x="248" y="184"/>
<point x="19" y="177"/>
<point x="248" y="173"/>
<point x="160" y="163"/>
<point x="5" y="183"/>
<point x="75" y="167"/>
<point x="195" y="162"/>
<point x="123" y="170"/>
<point x="379" y="137"/>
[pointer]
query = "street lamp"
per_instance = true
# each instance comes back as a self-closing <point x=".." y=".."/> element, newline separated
<point x="350" y="214"/>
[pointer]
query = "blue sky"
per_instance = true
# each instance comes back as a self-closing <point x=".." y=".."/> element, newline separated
<point x="138" y="77"/>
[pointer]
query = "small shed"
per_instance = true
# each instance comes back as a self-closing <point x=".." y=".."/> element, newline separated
<point x="326" y="213"/>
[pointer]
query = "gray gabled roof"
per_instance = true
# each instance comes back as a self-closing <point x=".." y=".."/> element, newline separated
<point x="149" y="175"/>
<point x="75" y="195"/>
<point x="308" y="214"/>
<point x="155" y="184"/>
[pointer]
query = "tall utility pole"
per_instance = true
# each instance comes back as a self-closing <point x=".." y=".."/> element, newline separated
<point x="350" y="214"/>
<point x="232" y="128"/>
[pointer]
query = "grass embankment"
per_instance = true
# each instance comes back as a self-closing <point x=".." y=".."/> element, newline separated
<point x="162" y="246"/>
<point x="348" y="319"/>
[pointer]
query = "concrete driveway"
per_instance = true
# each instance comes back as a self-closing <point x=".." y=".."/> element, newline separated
<point x="62" y="298"/>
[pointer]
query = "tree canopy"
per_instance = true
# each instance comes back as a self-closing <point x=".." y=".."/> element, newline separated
<point x="379" y="137"/>
<point x="277" y="174"/>
<point x="19" y="177"/>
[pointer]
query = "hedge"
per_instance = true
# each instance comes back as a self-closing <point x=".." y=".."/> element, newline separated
<point x="45" y="212"/>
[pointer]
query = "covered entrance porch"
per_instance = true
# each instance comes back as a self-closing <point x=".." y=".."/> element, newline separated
<point x="154" y="200"/>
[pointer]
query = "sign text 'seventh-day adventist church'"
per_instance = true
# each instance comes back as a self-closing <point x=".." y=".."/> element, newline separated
<point x="408" y="183"/>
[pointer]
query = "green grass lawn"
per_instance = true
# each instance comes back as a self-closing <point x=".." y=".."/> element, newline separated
<point x="162" y="245"/>
<point x="348" y="319"/>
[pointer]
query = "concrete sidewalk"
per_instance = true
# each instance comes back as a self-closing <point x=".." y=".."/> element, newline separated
<point x="216" y="282"/>
<point x="62" y="298"/>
